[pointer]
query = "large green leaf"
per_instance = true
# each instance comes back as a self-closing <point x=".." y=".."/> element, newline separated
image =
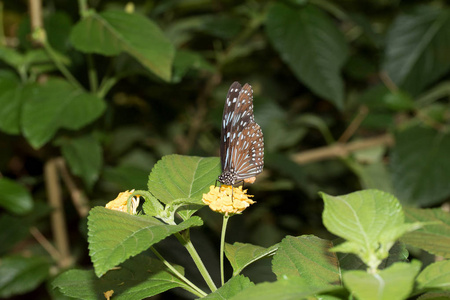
<point x="115" y="236"/>
<point x="435" y="276"/>
<point x="112" y="32"/>
<point x="371" y="221"/>
<point x="293" y="288"/>
<point x="433" y="237"/>
<point x="15" y="197"/>
<point x="19" y="275"/>
<point x="232" y="287"/>
<point x="420" y="166"/>
<point x="10" y="102"/>
<point x="393" y="283"/>
<point x="241" y="255"/>
<point x="84" y="156"/>
<point x="53" y="105"/>
<point x="417" y="48"/>
<point x="181" y="177"/>
<point x="137" y="278"/>
<point x="310" y="43"/>
<point x="307" y="257"/>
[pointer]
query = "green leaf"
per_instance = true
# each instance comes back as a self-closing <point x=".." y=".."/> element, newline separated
<point x="188" y="60"/>
<point x="11" y="57"/>
<point x="19" y="275"/>
<point x="241" y="255"/>
<point x="53" y="105"/>
<point x="292" y="288"/>
<point x="115" y="236"/>
<point x="435" y="276"/>
<point x="15" y="197"/>
<point x="433" y="237"/>
<point x="312" y="46"/>
<point x="416" y="46"/>
<point x="112" y="32"/>
<point x="418" y="162"/>
<point x="233" y="286"/>
<point x="307" y="257"/>
<point x="18" y="230"/>
<point x="395" y="282"/>
<point x="152" y="207"/>
<point x="371" y="221"/>
<point x="10" y="102"/>
<point x="177" y="177"/>
<point x="137" y="278"/>
<point x="84" y="156"/>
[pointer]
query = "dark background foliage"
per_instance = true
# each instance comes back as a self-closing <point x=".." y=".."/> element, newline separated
<point x="349" y="95"/>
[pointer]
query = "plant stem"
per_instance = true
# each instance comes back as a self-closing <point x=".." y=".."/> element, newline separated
<point x="92" y="74"/>
<point x="222" y="244"/>
<point x="194" y="289"/>
<point x="186" y="242"/>
<point x="83" y="7"/>
<point x="61" y="67"/>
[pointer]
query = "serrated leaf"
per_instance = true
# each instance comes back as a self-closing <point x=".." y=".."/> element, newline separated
<point x="177" y="177"/>
<point x="137" y="278"/>
<point x="307" y="257"/>
<point x="395" y="282"/>
<point x="112" y="32"/>
<point x="292" y="288"/>
<point x="19" y="275"/>
<point x="232" y="287"/>
<point x="433" y="237"/>
<point x="371" y="221"/>
<point x="53" y="105"/>
<point x="241" y="255"/>
<point x="416" y="48"/>
<point x="115" y="236"/>
<point x="15" y="197"/>
<point x="10" y="102"/>
<point x="435" y="276"/>
<point x="312" y="46"/>
<point x="84" y="156"/>
<point x="418" y="163"/>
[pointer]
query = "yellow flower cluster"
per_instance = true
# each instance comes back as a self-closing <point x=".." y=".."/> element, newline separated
<point x="120" y="203"/>
<point x="221" y="200"/>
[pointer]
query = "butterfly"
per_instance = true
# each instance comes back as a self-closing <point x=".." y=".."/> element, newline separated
<point x="241" y="140"/>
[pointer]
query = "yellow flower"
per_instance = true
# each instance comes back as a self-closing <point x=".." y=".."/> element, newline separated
<point x="120" y="203"/>
<point x="227" y="200"/>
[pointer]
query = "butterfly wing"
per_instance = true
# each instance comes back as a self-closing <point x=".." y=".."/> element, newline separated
<point x="249" y="156"/>
<point x="242" y="144"/>
<point x="228" y="114"/>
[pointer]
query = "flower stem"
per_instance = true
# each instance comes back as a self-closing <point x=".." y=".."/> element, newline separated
<point x="193" y="288"/>
<point x="186" y="242"/>
<point x="222" y="244"/>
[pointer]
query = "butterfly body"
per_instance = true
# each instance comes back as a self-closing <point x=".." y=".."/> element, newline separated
<point x="242" y="141"/>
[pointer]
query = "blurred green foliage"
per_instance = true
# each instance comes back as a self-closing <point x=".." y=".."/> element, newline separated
<point x="114" y="86"/>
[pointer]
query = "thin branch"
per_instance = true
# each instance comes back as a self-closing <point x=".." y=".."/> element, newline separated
<point x="36" y="19"/>
<point x="388" y="82"/>
<point x="42" y="240"/>
<point x="354" y="125"/>
<point x="58" y="220"/>
<point x="78" y="198"/>
<point x="341" y="150"/>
